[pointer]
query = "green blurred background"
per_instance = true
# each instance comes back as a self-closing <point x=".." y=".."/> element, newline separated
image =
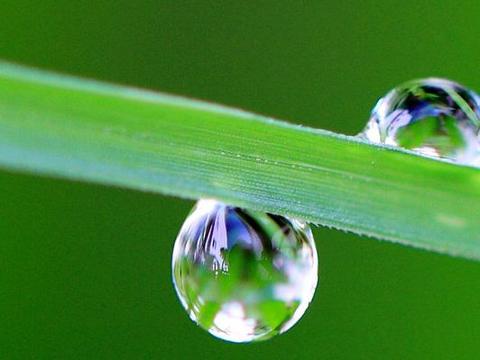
<point x="85" y="269"/>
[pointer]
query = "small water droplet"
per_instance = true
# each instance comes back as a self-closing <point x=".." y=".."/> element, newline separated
<point x="434" y="117"/>
<point x="243" y="275"/>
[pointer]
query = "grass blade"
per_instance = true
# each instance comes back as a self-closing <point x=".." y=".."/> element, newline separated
<point x="90" y="131"/>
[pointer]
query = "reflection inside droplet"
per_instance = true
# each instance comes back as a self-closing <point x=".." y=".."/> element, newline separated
<point x="243" y="275"/>
<point x="435" y="117"/>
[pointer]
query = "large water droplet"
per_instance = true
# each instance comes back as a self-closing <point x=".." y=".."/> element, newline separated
<point x="243" y="275"/>
<point x="435" y="117"/>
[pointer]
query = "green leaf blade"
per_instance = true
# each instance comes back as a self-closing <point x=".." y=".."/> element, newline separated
<point x="89" y="131"/>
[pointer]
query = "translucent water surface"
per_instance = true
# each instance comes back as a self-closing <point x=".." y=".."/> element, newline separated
<point x="435" y="117"/>
<point x="243" y="275"/>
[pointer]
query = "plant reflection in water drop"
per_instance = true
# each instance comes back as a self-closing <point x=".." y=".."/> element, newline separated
<point x="243" y="275"/>
<point x="434" y="117"/>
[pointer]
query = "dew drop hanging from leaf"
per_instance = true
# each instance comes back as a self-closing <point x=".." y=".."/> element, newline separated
<point x="434" y="117"/>
<point x="243" y="275"/>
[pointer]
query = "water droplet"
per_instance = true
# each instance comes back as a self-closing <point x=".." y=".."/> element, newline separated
<point x="434" y="117"/>
<point x="243" y="275"/>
